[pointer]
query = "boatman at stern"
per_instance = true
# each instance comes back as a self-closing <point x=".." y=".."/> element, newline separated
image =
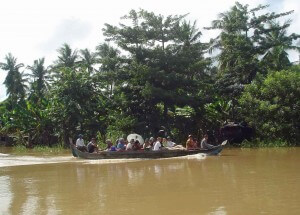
<point x="80" y="143"/>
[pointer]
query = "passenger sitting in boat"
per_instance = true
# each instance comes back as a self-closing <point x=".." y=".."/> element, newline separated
<point x="110" y="146"/>
<point x="197" y="143"/>
<point x="164" y="141"/>
<point x="92" y="146"/>
<point x="121" y="145"/>
<point x="130" y="145"/>
<point x="205" y="144"/>
<point x="80" y="144"/>
<point x="190" y="143"/>
<point x="136" y="146"/>
<point x="152" y="142"/>
<point x="169" y="142"/>
<point x="146" y="145"/>
<point x="157" y="144"/>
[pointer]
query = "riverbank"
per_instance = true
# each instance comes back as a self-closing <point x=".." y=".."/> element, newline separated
<point x="257" y="143"/>
<point x="41" y="150"/>
<point x="60" y="149"/>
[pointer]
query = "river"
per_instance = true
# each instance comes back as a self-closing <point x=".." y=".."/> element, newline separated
<point x="239" y="181"/>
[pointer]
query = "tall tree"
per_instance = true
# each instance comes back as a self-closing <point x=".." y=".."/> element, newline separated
<point x="163" y="65"/>
<point x="109" y="66"/>
<point x="159" y="28"/>
<point x="15" y="80"/>
<point x="88" y="59"/>
<point x="130" y="38"/>
<point x="276" y="57"/>
<point x="67" y="57"/>
<point x="242" y="41"/>
<point x="40" y="77"/>
<point x="77" y="104"/>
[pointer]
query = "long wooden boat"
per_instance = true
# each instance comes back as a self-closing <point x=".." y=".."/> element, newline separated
<point x="164" y="153"/>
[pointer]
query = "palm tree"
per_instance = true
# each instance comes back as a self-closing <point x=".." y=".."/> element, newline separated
<point x="15" y="80"/>
<point x="40" y="76"/>
<point x="88" y="59"/>
<point x="67" y="57"/>
<point x="110" y="63"/>
<point x="188" y="33"/>
<point x="109" y="57"/>
<point x="276" y="56"/>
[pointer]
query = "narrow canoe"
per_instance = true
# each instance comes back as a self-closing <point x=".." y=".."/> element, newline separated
<point x="165" y="153"/>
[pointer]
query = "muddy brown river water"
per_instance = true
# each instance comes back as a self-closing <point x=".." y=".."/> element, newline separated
<point x="239" y="181"/>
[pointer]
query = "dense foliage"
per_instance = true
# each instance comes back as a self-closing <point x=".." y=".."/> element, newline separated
<point x="272" y="105"/>
<point x="152" y="73"/>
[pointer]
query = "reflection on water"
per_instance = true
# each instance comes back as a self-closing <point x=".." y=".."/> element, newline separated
<point x="5" y="194"/>
<point x="238" y="182"/>
<point x="218" y="211"/>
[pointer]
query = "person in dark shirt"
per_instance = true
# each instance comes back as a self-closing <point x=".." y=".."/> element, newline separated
<point x="136" y="146"/>
<point x="92" y="146"/>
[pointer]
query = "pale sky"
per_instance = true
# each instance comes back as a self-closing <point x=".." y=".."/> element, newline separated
<point x="33" y="29"/>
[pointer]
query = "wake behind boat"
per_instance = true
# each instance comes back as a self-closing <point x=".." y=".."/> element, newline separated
<point x="164" y="153"/>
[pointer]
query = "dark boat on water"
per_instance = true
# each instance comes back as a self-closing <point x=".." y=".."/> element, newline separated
<point x="164" y="153"/>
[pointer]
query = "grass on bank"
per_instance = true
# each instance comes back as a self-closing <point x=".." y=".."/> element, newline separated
<point x="56" y="149"/>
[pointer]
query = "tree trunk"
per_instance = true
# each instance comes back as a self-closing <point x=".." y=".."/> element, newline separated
<point x="165" y="114"/>
<point x="66" y="136"/>
<point x="233" y="110"/>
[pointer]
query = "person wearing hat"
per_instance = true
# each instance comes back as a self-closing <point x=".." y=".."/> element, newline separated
<point x="80" y="143"/>
<point x="190" y="143"/>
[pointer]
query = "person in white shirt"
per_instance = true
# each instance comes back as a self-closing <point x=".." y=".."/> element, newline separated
<point x="80" y="143"/>
<point x="152" y="142"/>
<point x="130" y="145"/>
<point x="157" y="144"/>
<point x="204" y="143"/>
<point x="169" y="142"/>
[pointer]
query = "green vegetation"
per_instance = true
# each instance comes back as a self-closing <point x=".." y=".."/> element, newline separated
<point x="257" y="143"/>
<point x="44" y="150"/>
<point x="154" y="71"/>
<point x="272" y="105"/>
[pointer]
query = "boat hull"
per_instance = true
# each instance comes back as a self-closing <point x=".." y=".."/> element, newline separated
<point x="165" y="153"/>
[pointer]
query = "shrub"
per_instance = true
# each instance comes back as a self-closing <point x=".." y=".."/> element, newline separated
<point x="271" y="105"/>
